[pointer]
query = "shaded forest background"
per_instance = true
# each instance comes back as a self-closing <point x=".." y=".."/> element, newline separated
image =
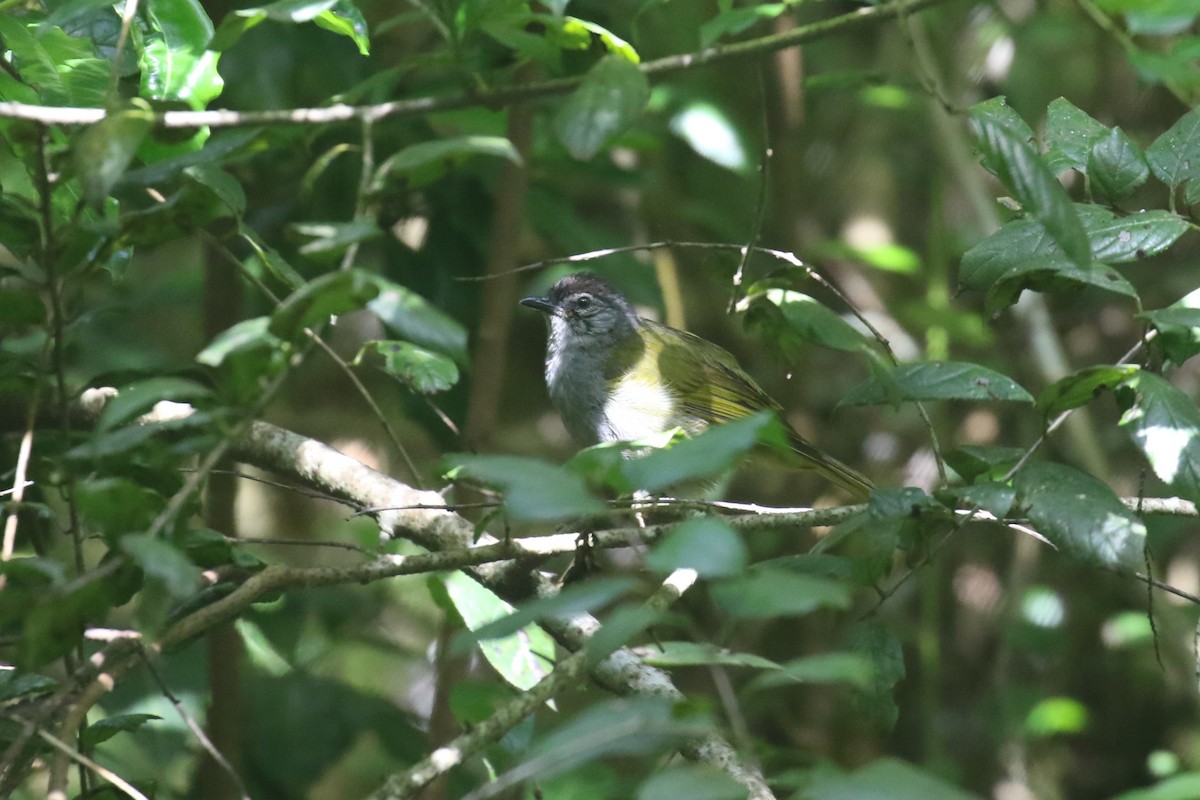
<point x="245" y="265"/>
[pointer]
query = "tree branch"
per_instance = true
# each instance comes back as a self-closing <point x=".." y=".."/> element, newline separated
<point x="503" y="96"/>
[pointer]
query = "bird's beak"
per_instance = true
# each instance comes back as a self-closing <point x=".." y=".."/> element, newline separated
<point x="540" y="304"/>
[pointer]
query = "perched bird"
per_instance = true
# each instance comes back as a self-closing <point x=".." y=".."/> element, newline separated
<point x="615" y="376"/>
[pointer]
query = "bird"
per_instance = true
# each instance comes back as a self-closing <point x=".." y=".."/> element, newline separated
<point x="615" y="376"/>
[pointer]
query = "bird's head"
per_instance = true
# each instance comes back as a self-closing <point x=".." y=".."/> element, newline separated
<point x="585" y="308"/>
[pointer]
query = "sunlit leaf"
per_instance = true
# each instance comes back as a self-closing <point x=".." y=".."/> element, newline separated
<point x="1165" y="423"/>
<point x="173" y="57"/>
<point x="711" y="133"/>
<point x="424" y="371"/>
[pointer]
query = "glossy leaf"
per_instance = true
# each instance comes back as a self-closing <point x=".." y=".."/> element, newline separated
<point x="1071" y="134"/>
<point x="706" y="544"/>
<point x="609" y="99"/>
<point x="1080" y="515"/>
<point x="1053" y="276"/>
<point x="1017" y="164"/>
<point x="415" y="319"/>
<point x="1165" y="424"/>
<point x="772" y="592"/>
<point x="345" y="19"/>
<point x="1116" y="166"/>
<point x="1174" y="157"/>
<point x="534" y="491"/>
<point x="1118" y="240"/>
<point x="328" y="295"/>
<point x="972" y="461"/>
<point x="173" y="57"/>
<point x="991" y="496"/>
<point x="1079" y="388"/>
<point x="939" y="380"/>
<point x="523" y="657"/>
<point x="423" y="371"/>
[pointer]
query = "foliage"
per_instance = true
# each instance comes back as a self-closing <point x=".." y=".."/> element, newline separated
<point x="1002" y="308"/>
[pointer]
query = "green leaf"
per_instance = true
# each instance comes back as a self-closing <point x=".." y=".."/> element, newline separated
<point x="345" y="19"/>
<point x="939" y="380"/>
<point x="587" y="596"/>
<point x="611" y="96"/>
<point x="1071" y="134"/>
<point x="972" y="461"/>
<point x="1177" y="787"/>
<point x="104" y="150"/>
<point x="692" y="654"/>
<point x="62" y="68"/>
<point x="458" y="149"/>
<point x="1062" y="276"/>
<point x="991" y="496"/>
<point x="1175" y="155"/>
<point x="882" y="779"/>
<point x="113" y="506"/>
<point x="137" y="398"/>
<point x="1079" y="388"/>
<point x="163" y="562"/>
<point x="1080" y="515"/>
<point x="772" y="592"/>
<point x="709" y="130"/>
<point x="534" y="491"/>
<point x="21" y="307"/>
<point x="852" y="668"/>
<point x="783" y="313"/>
<point x="323" y="297"/>
<point x="259" y="649"/>
<point x="104" y="729"/>
<point x="1117" y="240"/>
<point x="415" y="319"/>
<point x="173" y="58"/>
<point x="223" y="186"/>
<point x="331" y="238"/>
<point x="705" y="455"/>
<point x="615" y="45"/>
<point x="55" y="625"/>
<point x="14" y="685"/>
<point x="1055" y="716"/>
<point x="706" y="544"/>
<point x="701" y="782"/>
<point x="1016" y="163"/>
<point x="1116" y="166"/>
<point x="523" y="657"/>
<point x="736" y="20"/>
<point x="249" y="334"/>
<point x="1178" y="328"/>
<point x="421" y="370"/>
<point x="1165" y="424"/>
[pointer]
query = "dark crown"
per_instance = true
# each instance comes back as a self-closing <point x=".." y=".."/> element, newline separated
<point x="580" y="282"/>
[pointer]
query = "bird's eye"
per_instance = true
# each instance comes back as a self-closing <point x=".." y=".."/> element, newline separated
<point x="583" y="302"/>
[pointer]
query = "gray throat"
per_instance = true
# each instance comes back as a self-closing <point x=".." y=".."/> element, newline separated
<point x="575" y="368"/>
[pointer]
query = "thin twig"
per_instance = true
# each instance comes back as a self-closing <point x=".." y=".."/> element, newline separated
<point x="59" y="793"/>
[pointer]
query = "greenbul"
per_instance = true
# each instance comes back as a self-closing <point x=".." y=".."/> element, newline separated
<point x="615" y="376"/>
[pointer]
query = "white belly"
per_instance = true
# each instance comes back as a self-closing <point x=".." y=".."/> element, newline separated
<point x="636" y="412"/>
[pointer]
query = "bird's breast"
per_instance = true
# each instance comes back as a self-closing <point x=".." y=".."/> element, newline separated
<point x="636" y="409"/>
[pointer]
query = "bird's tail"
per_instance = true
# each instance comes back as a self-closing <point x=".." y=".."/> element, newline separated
<point x="858" y="485"/>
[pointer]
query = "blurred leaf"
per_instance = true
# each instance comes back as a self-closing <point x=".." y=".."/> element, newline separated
<point x="701" y="782"/>
<point x="325" y="296"/>
<point x="1081" y="387"/>
<point x="112" y="506"/>
<point x="1177" y="787"/>
<point x="615" y="45"/>
<point x="421" y="370"/>
<point x="852" y="668"/>
<point x="991" y="496"/>
<point x="1071" y="135"/>
<point x="1016" y="163"/>
<point x="1116" y="166"/>
<point x="331" y="238"/>
<point x="772" y="592"/>
<point x="104" y="729"/>
<point x="1165" y="424"/>
<point x="415" y="319"/>
<point x="456" y="149"/>
<point x="736" y="20"/>
<point x="1175" y="155"/>
<point x="259" y="649"/>
<point x="800" y="316"/>
<point x="881" y="647"/>
<point x="172" y="56"/>
<point x="15" y="685"/>
<point x="247" y="334"/>
<point x="345" y="19"/>
<point x="55" y="625"/>
<point x="163" y="562"/>
<point x="706" y="544"/>
<point x="136" y="399"/>
<point x="223" y="186"/>
<point x="691" y="654"/>
<point x="939" y="380"/>
<point x="522" y="657"/>
<point x="534" y="491"/>
<point x="1080" y="515"/>
<point x="21" y="307"/>
<point x="711" y="132"/>
<point x="705" y="455"/>
<point x="270" y="258"/>
<point x="1055" y="716"/>
<point x="104" y="150"/>
<point x="587" y="596"/>
<point x="339" y="16"/>
<point x="882" y="779"/>
<point x="63" y="68"/>
<point x="1178" y="328"/>
<point x="611" y="96"/>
